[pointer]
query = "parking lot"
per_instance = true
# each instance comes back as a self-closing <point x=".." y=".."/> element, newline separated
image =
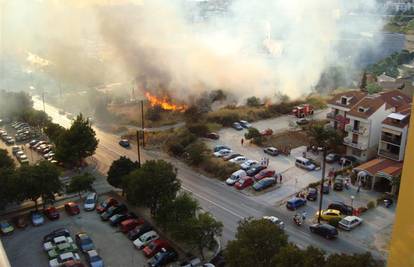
<point x="24" y="247"/>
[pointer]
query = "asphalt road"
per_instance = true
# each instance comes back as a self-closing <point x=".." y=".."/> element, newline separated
<point x="228" y="206"/>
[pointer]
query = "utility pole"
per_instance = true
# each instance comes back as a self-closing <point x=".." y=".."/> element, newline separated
<point x="322" y="182"/>
<point x="142" y="123"/>
<point x="138" y="150"/>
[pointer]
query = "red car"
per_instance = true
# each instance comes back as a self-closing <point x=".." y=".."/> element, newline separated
<point x="130" y="224"/>
<point x="106" y="204"/>
<point x="72" y="208"/>
<point x="154" y="247"/>
<point x="263" y="174"/>
<point x="51" y="213"/>
<point x="244" y="182"/>
<point x="266" y="132"/>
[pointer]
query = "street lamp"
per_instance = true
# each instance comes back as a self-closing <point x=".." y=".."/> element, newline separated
<point x="322" y="182"/>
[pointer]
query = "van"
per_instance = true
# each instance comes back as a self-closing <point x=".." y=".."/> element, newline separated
<point x="90" y="201"/>
<point x="304" y="163"/>
<point x="235" y="176"/>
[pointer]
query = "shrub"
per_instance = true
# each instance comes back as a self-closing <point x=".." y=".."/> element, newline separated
<point x="371" y="205"/>
<point x="219" y="168"/>
<point x="314" y="185"/>
<point x="177" y="143"/>
<point x="224" y="116"/>
<point x="253" y="102"/>
<point x="196" y="153"/>
<point x="199" y="129"/>
<point x="252" y="133"/>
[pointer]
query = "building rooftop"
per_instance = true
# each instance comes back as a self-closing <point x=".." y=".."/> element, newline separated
<point x="400" y="119"/>
<point x="381" y="166"/>
<point x="347" y="99"/>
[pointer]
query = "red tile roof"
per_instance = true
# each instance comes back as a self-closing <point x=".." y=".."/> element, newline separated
<point x="355" y="95"/>
<point x="381" y="165"/>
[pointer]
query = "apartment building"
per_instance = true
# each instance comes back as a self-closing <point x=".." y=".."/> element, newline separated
<point x="365" y="122"/>
<point x="340" y="105"/>
<point x="394" y="131"/>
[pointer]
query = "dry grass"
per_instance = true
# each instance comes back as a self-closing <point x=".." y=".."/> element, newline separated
<point x="290" y="139"/>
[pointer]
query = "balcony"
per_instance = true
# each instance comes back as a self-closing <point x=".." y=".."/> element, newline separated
<point x="360" y="130"/>
<point x="359" y="145"/>
<point x="388" y="154"/>
<point x="391" y="140"/>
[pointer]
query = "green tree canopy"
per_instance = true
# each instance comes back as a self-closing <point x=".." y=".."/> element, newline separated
<point x="253" y="101"/>
<point x="9" y="188"/>
<point x="354" y="260"/>
<point x="81" y="183"/>
<point x="6" y="162"/>
<point x="119" y="169"/>
<point x="77" y="143"/>
<point x="373" y="88"/>
<point x="196" y="152"/>
<point x="256" y="243"/>
<point x="54" y="131"/>
<point x="292" y="256"/>
<point x="155" y="182"/>
<point x="324" y="137"/>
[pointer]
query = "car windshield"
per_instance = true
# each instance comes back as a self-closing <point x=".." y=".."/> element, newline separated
<point x="86" y="241"/>
<point x="95" y="258"/>
<point x="89" y="201"/>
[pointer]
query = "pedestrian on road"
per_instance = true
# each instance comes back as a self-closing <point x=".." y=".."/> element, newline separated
<point x="359" y="186"/>
<point x="242" y="141"/>
<point x="304" y="154"/>
<point x="280" y="178"/>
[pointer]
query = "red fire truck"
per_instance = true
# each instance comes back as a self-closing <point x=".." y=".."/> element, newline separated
<point x="303" y="111"/>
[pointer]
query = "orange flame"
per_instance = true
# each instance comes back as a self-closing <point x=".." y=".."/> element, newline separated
<point x="164" y="103"/>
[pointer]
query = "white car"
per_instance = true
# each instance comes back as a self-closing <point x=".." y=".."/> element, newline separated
<point x="222" y="153"/>
<point x="349" y="222"/>
<point x="62" y="258"/>
<point x="90" y="201"/>
<point x="238" y="160"/>
<point x="145" y="239"/>
<point x="19" y="154"/>
<point x="275" y="220"/>
<point x="248" y="164"/>
<point x="56" y="241"/>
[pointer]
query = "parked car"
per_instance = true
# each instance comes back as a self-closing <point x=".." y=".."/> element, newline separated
<point x="15" y="149"/>
<point x="249" y="164"/>
<point x="312" y="194"/>
<point x="294" y="203"/>
<point x="266" y="132"/>
<point x="264" y="174"/>
<point x="220" y="147"/>
<point x="264" y="183"/>
<point x="20" y="221"/>
<point x="154" y="247"/>
<point x="130" y="224"/>
<point x="349" y="222"/>
<point x="235" y="176"/>
<point x="113" y="210"/>
<point x="163" y="257"/>
<point x="326" y="230"/>
<point x="222" y="153"/>
<point x="255" y="170"/>
<point x="244" y="182"/>
<point x="72" y="208"/>
<point x="232" y="156"/>
<point x="33" y="142"/>
<point x="55" y="241"/>
<point x="329" y="214"/>
<point x="302" y="121"/>
<point x="245" y="124"/>
<point x="6" y="228"/>
<point x="61" y="259"/>
<point x="237" y="126"/>
<point x="93" y="258"/>
<point x="51" y="213"/>
<point x="332" y="157"/>
<point x="39" y="143"/>
<point x="213" y="136"/>
<point x="73" y="263"/>
<point x="304" y="163"/>
<point x="272" y="151"/>
<point x="104" y="205"/>
<point x="275" y="220"/>
<point x="124" y="143"/>
<point x="116" y="219"/>
<point x="10" y="140"/>
<point x="342" y="207"/>
<point x="84" y="242"/>
<point x="325" y="189"/>
<point x="90" y="201"/>
<point x="58" y="232"/>
<point x="238" y="160"/>
<point x="37" y="218"/>
<point x="61" y="248"/>
<point x="348" y="161"/>
<point x="138" y="231"/>
<point x="145" y="239"/>
<point x="338" y="184"/>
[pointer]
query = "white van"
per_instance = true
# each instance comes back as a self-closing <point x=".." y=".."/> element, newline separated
<point x="235" y="176"/>
<point x="90" y="201"/>
<point x="304" y="163"/>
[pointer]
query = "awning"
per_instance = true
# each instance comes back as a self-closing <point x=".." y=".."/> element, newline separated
<point x="380" y="167"/>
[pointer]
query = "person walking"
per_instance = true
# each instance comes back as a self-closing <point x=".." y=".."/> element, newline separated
<point x="359" y="186"/>
<point x="242" y="141"/>
<point x="280" y="178"/>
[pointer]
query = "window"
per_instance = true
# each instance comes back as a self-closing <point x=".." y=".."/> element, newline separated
<point x="344" y="100"/>
<point x="356" y="125"/>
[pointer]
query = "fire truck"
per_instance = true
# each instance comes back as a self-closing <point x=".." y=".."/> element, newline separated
<point x="303" y="111"/>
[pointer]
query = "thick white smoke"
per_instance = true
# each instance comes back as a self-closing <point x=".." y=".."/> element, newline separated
<point x="252" y="48"/>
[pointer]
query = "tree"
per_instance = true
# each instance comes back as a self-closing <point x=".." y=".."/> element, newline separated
<point x="53" y="131"/>
<point x="6" y="162"/>
<point x="119" y="169"/>
<point x="253" y="133"/>
<point x="173" y="214"/>
<point x="253" y="101"/>
<point x="152" y="184"/>
<point x="77" y="143"/>
<point x="80" y="183"/>
<point x="9" y="187"/>
<point x="363" y="84"/>
<point x="37" y="181"/>
<point x="193" y="114"/>
<point x="292" y="256"/>
<point x="199" y="129"/>
<point x="373" y="88"/>
<point x="324" y="137"/>
<point x="201" y="231"/>
<point x="256" y="243"/>
<point x="196" y="152"/>
<point x="355" y="260"/>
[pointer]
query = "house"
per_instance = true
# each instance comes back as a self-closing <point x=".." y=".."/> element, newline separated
<point x="365" y="125"/>
<point x="340" y="105"/>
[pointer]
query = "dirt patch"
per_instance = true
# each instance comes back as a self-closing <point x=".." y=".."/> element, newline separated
<point x="290" y="139"/>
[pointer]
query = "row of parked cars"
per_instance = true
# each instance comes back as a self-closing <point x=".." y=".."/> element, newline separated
<point x="44" y="148"/>
<point x="62" y="250"/>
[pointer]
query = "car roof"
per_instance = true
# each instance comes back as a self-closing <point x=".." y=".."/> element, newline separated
<point x="333" y="211"/>
<point x="66" y="255"/>
<point x="350" y="218"/>
<point x="92" y="253"/>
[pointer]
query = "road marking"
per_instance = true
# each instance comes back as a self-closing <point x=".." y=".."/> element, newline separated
<point x="214" y="203"/>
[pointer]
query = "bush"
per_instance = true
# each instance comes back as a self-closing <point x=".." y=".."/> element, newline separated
<point x="219" y="168"/>
<point x="253" y="102"/>
<point x="334" y="221"/>
<point x="199" y="129"/>
<point x="196" y="153"/>
<point x="177" y="143"/>
<point x="371" y="205"/>
<point x="252" y="133"/>
<point x="314" y="185"/>
<point x="225" y="117"/>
